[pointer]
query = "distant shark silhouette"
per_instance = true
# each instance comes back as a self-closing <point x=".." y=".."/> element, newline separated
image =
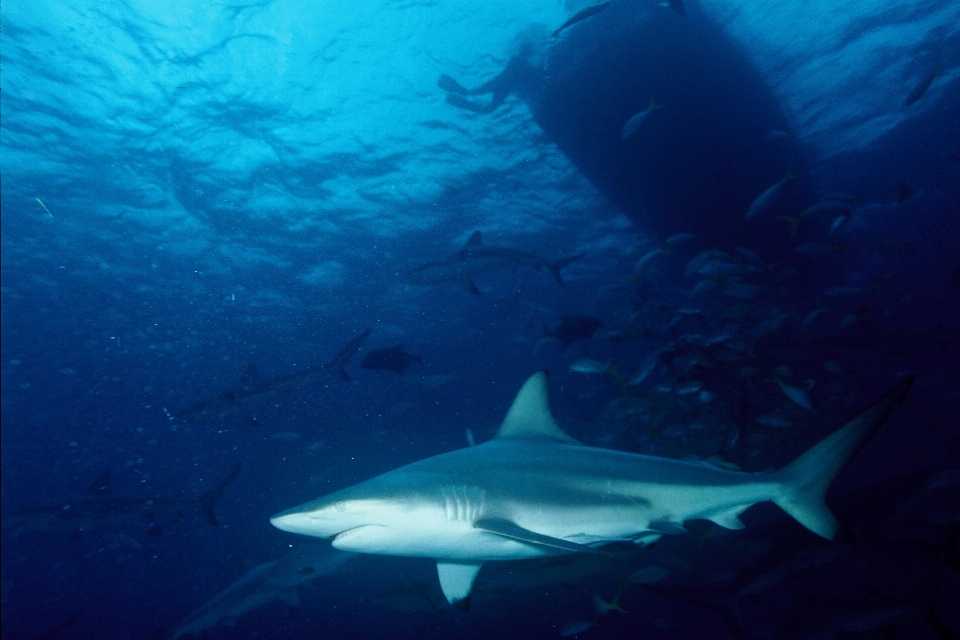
<point x="477" y="257"/>
<point x="392" y="359"/>
<point x="255" y="393"/>
<point x="535" y="491"/>
<point x="99" y="508"/>
<point x="265" y="583"/>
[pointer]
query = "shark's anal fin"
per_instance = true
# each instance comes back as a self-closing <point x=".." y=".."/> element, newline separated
<point x="530" y="418"/>
<point x="456" y="580"/>
<point x="508" y="529"/>
<point x="667" y="526"/>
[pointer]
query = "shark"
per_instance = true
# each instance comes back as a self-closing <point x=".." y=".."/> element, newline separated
<point x="534" y="490"/>
<point x="477" y="257"/>
<point x="276" y="580"/>
<point x="254" y="393"/>
<point x="100" y="508"/>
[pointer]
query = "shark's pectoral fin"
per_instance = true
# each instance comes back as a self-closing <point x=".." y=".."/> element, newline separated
<point x="508" y="529"/>
<point x="456" y="580"/>
<point x="667" y="526"/>
<point x="472" y="288"/>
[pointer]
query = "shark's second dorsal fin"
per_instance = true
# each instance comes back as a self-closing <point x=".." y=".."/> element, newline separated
<point x="250" y="374"/>
<point x="476" y="240"/>
<point x="529" y="417"/>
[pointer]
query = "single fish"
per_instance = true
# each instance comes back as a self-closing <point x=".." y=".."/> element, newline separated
<point x="604" y="607"/>
<point x="922" y="86"/>
<point x="589" y="366"/>
<point x="476" y="257"/>
<point x="575" y="627"/>
<point x="583" y="14"/>
<point x="796" y="394"/>
<point x="766" y="199"/>
<point x="645" y="370"/>
<point x="634" y="123"/>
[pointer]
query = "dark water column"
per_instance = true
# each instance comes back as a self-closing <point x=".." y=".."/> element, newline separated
<point x="697" y="163"/>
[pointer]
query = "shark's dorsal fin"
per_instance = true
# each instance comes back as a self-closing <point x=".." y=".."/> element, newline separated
<point x="456" y="580"/>
<point x="529" y="417"/>
<point x="476" y="240"/>
<point x="250" y="374"/>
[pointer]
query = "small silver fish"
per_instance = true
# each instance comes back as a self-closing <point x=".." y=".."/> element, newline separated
<point x="764" y="201"/>
<point x="796" y="394"/>
<point x="589" y="366"/>
<point x="633" y="124"/>
<point x="575" y="627"/>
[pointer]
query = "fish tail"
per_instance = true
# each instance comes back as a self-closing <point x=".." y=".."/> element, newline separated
<point x="555" y="267"/>
<point x="804" y="482"/>
<point x="653" y="105"/>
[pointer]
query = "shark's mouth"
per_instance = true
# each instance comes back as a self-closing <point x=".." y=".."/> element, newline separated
<point x="345" y="535"/>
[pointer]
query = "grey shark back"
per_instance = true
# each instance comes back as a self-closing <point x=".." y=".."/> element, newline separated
<point x="477" y="257"/>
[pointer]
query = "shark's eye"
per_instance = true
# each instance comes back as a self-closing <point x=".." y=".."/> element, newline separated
<point x="340" y="505"/>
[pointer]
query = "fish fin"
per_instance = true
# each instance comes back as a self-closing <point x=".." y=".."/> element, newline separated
<point x="447" y="83"/>
<point x="209" y="499"/>
<point x="100" y="485"/>
<point x="529" y="417"/>
<point x="653" y="105"/>
<point x="476" y="240"/>
<point x="471" y="287"/>
<point x="728" y="519"/>
<point x="804" y="482"/>
<point x="339" y="362"/>
<point x="667" y="526"/>
<point x="512" y="530"/>
<point x="456" y="580"/>
<point x="555" y="267"/>
<point x="250" y="374"/>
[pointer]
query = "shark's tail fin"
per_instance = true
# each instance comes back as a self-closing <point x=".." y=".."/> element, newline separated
<point x="555" y="267"/>
<point x="804" y="482"/>
<point x="209" y="499"/>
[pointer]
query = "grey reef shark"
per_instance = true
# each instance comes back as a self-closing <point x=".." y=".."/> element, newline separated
<point x="477" y="257"/>
<point x="99" y="508"/>
<point x="533" y="490"/>
<point x="277" y="580"/>
<point x="243" y="402"/>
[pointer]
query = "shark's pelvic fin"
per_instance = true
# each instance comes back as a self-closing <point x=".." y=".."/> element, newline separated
<point x="456" y="580"/>
<point x="805" y="480"/>
<point x="530" y="418"/>
<point x="512" y="530"/>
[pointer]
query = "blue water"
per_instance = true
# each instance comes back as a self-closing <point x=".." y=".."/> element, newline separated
<point x="188" y="187"/>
